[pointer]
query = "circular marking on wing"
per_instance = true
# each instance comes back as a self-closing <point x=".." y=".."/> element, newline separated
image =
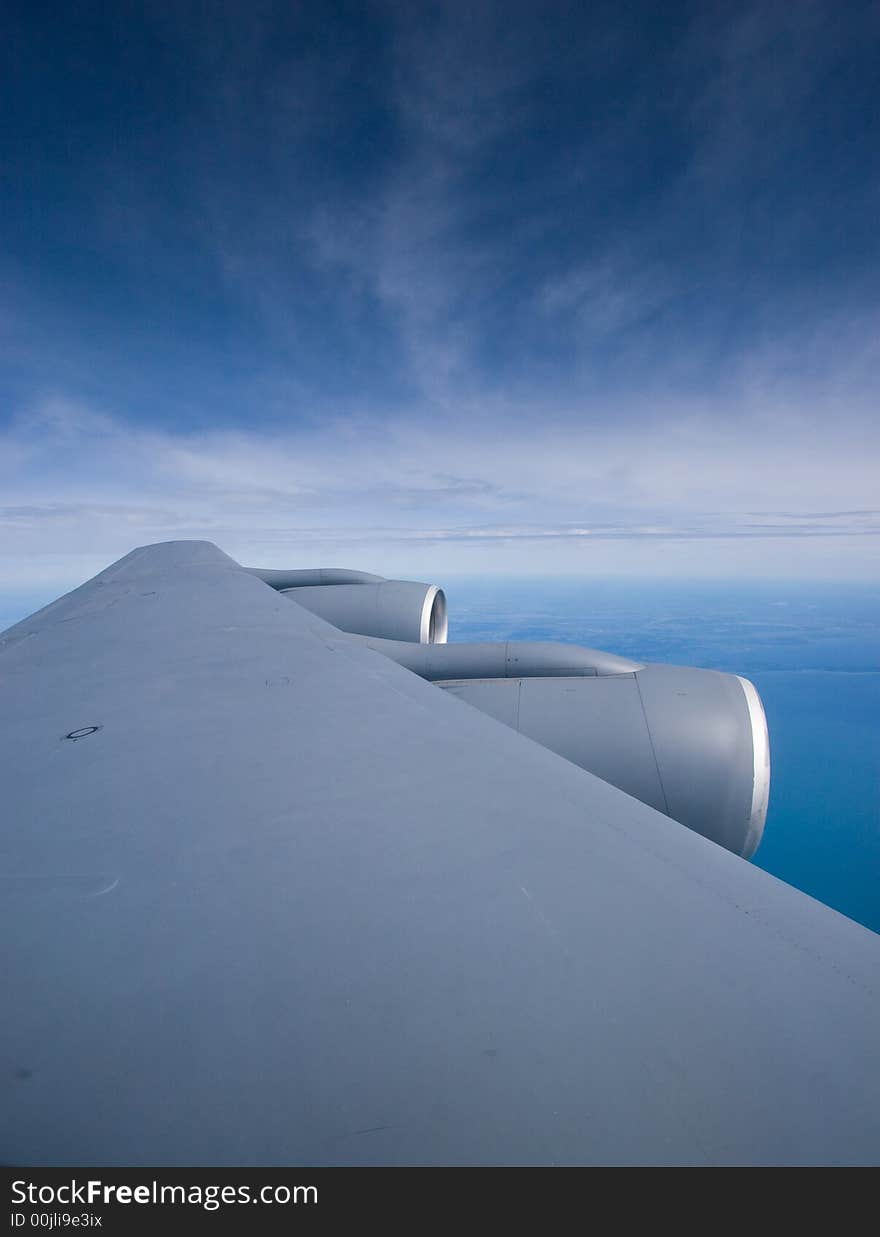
<point x="83" y="732"/>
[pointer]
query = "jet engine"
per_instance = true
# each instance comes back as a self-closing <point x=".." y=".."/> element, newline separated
<point x="364" y="604"/>
<point x="691" y="743"/>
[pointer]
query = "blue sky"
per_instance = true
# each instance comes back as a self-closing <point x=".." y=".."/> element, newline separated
<point x="417" y="288"/>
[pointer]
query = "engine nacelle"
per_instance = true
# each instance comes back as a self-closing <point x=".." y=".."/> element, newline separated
<point x="363" y="604"/>
<point x="389" y="610"/>
<point x="691" y="743"/>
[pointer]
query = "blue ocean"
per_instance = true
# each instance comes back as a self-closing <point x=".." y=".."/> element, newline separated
<point x="812" y="651"/>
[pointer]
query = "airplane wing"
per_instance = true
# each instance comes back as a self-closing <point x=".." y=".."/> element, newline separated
<point x="269" y="898"/>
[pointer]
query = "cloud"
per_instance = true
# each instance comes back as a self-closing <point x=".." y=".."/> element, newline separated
<point x="82" y="488"/>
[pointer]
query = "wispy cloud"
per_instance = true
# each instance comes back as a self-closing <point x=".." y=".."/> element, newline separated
<point x="412" y="498"/>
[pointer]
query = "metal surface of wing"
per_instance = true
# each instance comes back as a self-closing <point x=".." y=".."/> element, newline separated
<point x="269" y="898"/>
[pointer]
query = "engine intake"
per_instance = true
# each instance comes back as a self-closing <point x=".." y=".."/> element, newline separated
<point x="391" y="610"/>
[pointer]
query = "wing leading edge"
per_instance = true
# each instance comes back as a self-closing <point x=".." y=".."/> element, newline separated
<point x="269" y="898"/>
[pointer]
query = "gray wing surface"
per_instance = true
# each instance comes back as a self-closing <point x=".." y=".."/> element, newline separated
<point x="291" y="905"/>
